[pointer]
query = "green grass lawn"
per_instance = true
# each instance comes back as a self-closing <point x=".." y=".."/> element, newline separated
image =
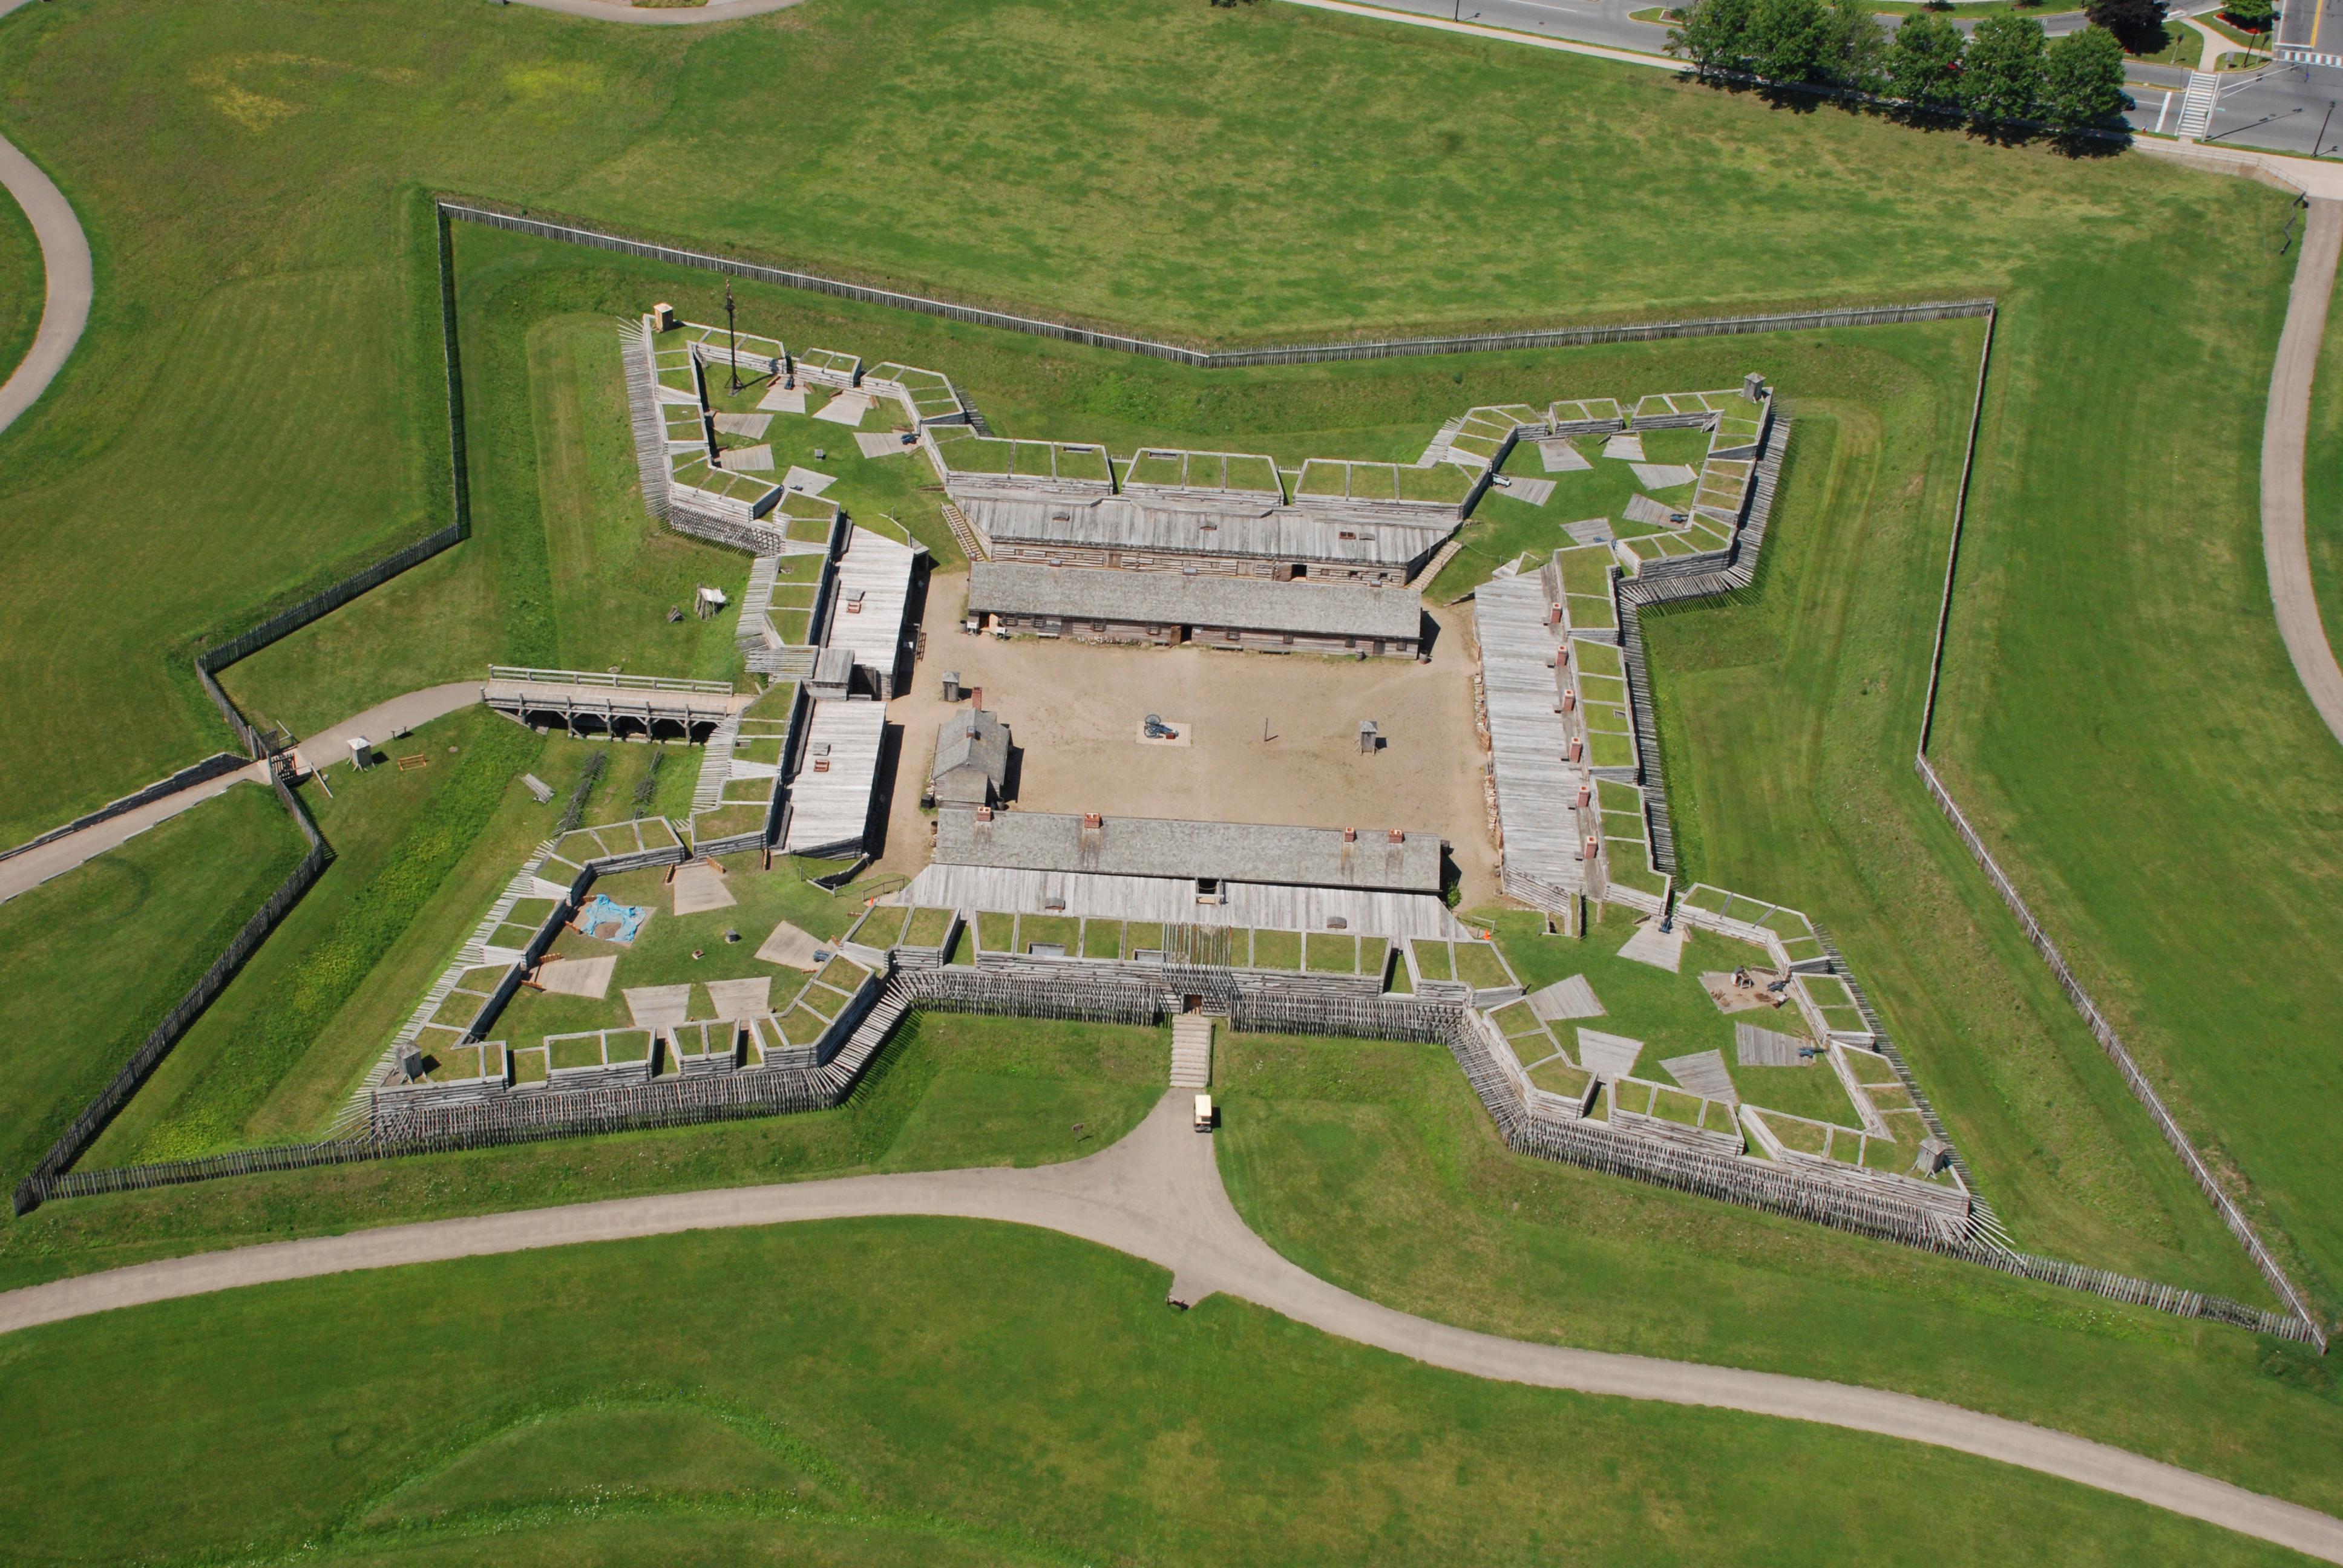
<point x="1786" y="724"/>
<point x="2207" y="948"/>
<point x="872" y="1392"/>
<point x="294" y="466"/>
<point x="283" y="208"/>
<point x="22" y="284"/>
<point x="2323" y="477"/>
<point x="422" y="856"/>
<point x="1372" y="1165"/>
<point x="1671" y="1013"/>
<point x="950" y="1090"/>
<point x="267" y="351"/>
<point x="2183" y="47"/>
<point x="399" y="837"/>
<point x="661" y="952"/>
<point x="150" y="917"/>
<point x="564" y="568"/>
<point x="901" y="486"/>
<point x="1504" y="526"/>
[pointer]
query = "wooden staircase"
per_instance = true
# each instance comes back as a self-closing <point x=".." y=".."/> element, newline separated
<point x="964" y="533"/>
<point x="1192" y="1050"/>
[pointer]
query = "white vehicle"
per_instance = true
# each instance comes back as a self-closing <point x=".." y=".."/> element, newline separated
<point x="1203" y="1113"/>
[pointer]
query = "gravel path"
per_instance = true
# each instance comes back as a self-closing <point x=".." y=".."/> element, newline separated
<point x="34" y="866"/>
<point x="2285" y="550"/>
<point x="662" y="16"/>
<point x="1158" y="1195"/>
<point x="64" y="257"/>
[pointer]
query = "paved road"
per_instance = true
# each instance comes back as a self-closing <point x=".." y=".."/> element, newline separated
<point x="1157" y="1195"/>
<point x="64" y="256"/>
<point x="2284" y="109"/>
<point x="2285" y="429"/>
<point x="34" y="866"/>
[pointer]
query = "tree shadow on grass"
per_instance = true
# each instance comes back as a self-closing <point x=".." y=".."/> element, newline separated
<point x="2104" y="143"/>
<point x="1807" y="98"/>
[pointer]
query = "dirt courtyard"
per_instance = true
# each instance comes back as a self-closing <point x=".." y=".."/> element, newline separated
<point x="1270" y="737"/>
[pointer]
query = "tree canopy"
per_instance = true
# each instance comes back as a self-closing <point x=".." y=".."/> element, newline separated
<point x="1924" y="62"/>
<point x="2006" y="72"/>
<point x="2001" y="78"/>
<point x="1782" y="40"/>
<point x="2083" y="80"/>
<point x="2137" y="23"/>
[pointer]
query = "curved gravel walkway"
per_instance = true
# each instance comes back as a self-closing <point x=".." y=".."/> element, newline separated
<point x="1157" y="1195"/>
<point x="661" y="16"/>
<point x="64" y="257"/>
<point x="21" y="872"/>
<point x="2285" y="429"/>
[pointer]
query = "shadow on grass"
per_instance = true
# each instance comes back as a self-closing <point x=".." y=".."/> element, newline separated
<point x="1810" y="97"/>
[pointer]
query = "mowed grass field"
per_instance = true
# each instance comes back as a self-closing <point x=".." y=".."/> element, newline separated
<point x="1787" y="720"/>
<point x="949" y="1092"/>
<point x="148" y="917"/>
<point x="938" y="1391"/>
<point x="267" y="347"/>
<point x="1371" y="1164"/>
<point x="22" y="284"/>
<point x="1850" y="588"/>
<point x="1279" y="180"/>
<point x="2074" y="1168"/>
<point x="2122" y="718"/>
<point x="2323" y="477"/>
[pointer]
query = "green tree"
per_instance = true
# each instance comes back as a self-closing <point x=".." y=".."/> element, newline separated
<point x="1792" y="40"/>
<point x="2253" y="16"/>
<point x="1924" y="62"/>
<point x="1860" y="43"/>
<point x="2137" y="24"/>
<point x="2001" y="79"/>
<point x="2082" y="80"/>
<point x="1714" y="36"/>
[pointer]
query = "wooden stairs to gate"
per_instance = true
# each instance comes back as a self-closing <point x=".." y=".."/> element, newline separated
<point x="1192" y="1050"/>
